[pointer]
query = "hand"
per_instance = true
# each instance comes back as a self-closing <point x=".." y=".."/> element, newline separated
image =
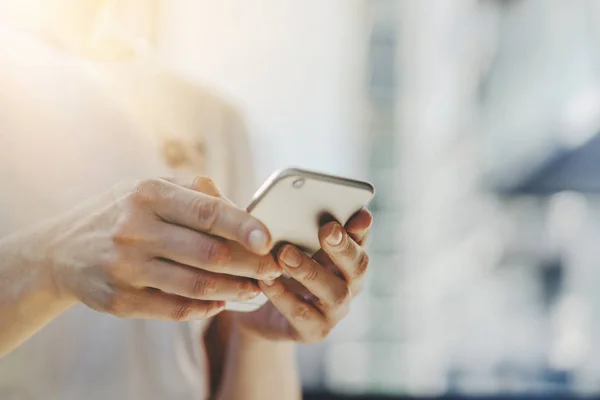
<point x="159" y="249"/>
<point x="306" y="307"/>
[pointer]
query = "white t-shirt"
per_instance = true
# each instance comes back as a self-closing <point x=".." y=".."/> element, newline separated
<point x="69" y="131"/>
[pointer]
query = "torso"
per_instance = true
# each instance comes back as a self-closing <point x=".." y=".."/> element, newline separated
<point x="62" y="141"/>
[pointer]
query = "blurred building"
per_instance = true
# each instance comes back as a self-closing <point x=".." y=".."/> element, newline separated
<point x="488" y="284"/>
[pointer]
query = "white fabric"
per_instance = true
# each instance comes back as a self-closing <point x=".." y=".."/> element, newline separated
<point x="68" y="131"/>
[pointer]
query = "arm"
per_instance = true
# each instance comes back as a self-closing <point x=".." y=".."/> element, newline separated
<point x="142" y="250"/>
<point x="246" y="366"/>
<point x="28" y="296"/>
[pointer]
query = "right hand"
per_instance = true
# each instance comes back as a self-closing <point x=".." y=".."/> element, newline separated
<point x="159" y="249"/>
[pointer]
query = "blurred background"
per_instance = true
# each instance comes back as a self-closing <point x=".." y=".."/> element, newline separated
<point x="477" y="121"/>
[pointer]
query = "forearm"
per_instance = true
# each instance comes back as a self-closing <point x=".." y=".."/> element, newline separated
<point x="28" y="298"/>
<point x="258" y="369"/>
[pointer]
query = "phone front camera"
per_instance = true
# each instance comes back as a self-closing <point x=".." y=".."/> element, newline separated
<point x="298" y="183"/>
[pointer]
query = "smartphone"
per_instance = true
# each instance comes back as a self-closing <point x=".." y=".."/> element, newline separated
<point x="294" y="203"/>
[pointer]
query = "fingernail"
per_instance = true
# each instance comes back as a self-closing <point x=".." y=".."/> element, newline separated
<point x="269" y="282"/>
<point x="258" y="240"/>
<point x="216" y="308"/>
<point x="291" y="257"/>
<point x="335" y="237"/>
<point x="274" y="275"/>
<point x="250" y="295"/>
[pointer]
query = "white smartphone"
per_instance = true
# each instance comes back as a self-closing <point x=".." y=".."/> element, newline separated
<point x="293" y="203"/>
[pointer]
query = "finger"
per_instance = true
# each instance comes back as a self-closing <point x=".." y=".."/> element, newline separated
<point x="359" y="226"/>
<point x="204" y="213"/>
<point x="332" y="291"/>
<point x="154" y="304"/>
<point x="187" y="246"/>
<point x="307" y="322"/>
<point x="323" y="258"/>
<point x="345" y="253"/>
<point x="194" y="283"/>
<point x="198" y="250"/>
<point x="244" y="263"/>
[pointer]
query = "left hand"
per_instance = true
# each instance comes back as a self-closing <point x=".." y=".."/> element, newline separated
<point x="306" y="307"/>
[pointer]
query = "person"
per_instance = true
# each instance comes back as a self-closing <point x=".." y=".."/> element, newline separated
<point x="145" y="249"/>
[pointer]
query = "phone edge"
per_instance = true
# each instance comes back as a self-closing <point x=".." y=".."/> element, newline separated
<point x="281" y="174"/>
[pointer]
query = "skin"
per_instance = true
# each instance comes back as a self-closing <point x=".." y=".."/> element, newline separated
<point x="306" y="307"/>
<point x="178" y="250"/>
<point x="154" y="249"/>
<point x="252" y="354"/>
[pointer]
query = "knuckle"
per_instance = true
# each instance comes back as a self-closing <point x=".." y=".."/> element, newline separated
<point x="312" y="273"/>
<point x="301" y="311"/>
<point x="262" y="267"/>
<point x="182" y="310"/>
<point x="203" y="286"/>
<point x="145" y="191"/>
<point x="118" y="266"/>
<point x="211" y="250"/>
<point x="124" y="231"/>
<point x="207" y="310"/>
<point x="362" y="265"/>
<point x="316" y="335"/>
<point x="346" y="248"/>
<point x="206" y="211"/>
<point x="343" y="296"/>
<point x="280" y="293"/>
<point x="247" y="290"/>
